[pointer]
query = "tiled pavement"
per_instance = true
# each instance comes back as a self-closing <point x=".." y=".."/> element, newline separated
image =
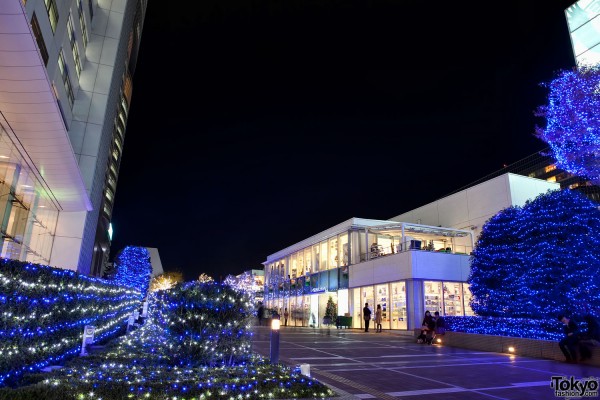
<point x="359" y="365"/>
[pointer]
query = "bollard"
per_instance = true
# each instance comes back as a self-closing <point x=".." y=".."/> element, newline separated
<point x="88" y="338"/>
<point x="305" y="369"/>
<point x="130" y="322"/>
<point x="275" y="324"/>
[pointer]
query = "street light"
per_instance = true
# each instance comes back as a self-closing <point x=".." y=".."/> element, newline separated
<point x="275" y="324"/>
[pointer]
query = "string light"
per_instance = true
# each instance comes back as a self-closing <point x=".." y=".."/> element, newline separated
<point x="45" y="309"/>
<point x="573" y="121"/>
<point x="133" y="268"/>
<point x="144" y="364"/>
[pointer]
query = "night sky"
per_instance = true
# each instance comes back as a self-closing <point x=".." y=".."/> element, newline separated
<point x="255" y="124"/>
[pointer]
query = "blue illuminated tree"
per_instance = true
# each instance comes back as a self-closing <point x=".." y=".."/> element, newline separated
<point x="540" y="259"/>
<point x="133" y="268"/>
<point x="496" y="269"/>
<point x="573" y="121"/>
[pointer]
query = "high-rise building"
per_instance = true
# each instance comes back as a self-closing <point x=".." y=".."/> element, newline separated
<point x="583" y="20"/>
<point x="66" y="69"/>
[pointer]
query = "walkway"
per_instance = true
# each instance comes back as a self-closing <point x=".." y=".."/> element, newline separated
<point x="387" y="365"/>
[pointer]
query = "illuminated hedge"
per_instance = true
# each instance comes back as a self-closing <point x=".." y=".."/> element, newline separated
<point x="210" y="322"/>
<point x="539" y="260"/>
<point x="45" y="309"/>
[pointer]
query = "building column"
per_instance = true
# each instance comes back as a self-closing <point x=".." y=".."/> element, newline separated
<point x="415" y="303"/>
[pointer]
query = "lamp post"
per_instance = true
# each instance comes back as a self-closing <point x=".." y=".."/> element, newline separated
<point x="275" y="324"/>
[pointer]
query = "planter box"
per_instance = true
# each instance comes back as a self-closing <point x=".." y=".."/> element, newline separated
<point x="499" y="344"/>
<point x="343" y="322"/>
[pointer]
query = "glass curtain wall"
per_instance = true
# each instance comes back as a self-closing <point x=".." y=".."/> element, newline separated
<point x="28" y="216"/>
<point x="449" y="298"/>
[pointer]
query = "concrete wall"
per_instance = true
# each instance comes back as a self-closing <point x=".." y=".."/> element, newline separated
<point x="472" y="207"/>
<point x="414" y="264"/>
<point x="499" y="344"/>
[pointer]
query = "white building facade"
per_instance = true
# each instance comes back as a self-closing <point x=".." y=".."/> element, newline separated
<point x="66" y="70"/>
<point x="417" y="261"/>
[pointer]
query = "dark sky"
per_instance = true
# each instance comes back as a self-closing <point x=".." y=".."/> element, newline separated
<point x="257" y="123"/>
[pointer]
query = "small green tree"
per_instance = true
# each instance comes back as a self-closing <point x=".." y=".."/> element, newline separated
<point x="330" y="311"/>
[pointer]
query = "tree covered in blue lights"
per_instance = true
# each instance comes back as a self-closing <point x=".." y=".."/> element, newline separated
<point x="209" y="323"/>
<point x="539" y="260"/>
<point x="573" y="121"/>
<point x="133" y="268"/>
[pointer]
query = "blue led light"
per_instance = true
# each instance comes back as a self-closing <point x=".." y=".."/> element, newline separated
<point x="573" y="121"/>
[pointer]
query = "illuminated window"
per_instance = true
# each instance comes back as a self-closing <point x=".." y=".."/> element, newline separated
<point x="82" y="24"/>
<point x="549" y="168"/>
<point x="551" y="179"/>
<point x="37" y="32"/>
<point x="64" y="72"/>
<point x="52" y="13"/>
<point x="74" y="48"/>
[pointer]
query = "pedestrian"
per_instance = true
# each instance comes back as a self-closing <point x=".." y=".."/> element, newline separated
<point x="366" y="316"/>
<point x="427" y="329"/>
<point x="286" y="314"/>
<point x="259" y="313"/>
<point x="378" y="319"/>
<point x="568" y="344"/>
<point x="589" y="339"/>
<point x="440" y="323"/>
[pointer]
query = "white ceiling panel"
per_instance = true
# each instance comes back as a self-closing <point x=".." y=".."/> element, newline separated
<point x="19" y="58"/>
<point x="15" y="42"/>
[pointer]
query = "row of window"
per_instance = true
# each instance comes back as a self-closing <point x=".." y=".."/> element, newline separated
<point x="53" y="17"/>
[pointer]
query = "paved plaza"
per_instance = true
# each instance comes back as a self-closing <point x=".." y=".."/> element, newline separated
<point x="388" y="365"/>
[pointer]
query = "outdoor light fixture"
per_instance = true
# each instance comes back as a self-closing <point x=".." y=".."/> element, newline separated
<point x="439" y="340"/>
<point x="511" y="349"/>
<point x="275" y="324"/>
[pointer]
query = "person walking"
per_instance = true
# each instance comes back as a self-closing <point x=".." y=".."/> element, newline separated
<point x="286" y="314"/>
<point x="568" y="344"/>
<point x="366" y="316"/>
<point x="259" y="313"/>
<point x="378" y="319"/>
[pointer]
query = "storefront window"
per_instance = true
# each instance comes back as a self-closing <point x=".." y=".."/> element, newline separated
<point x="433" y="296"/>
<point x="382" y="299"/>
<point x="308" y="267"/>
<point x="315" y="256"/>
<point x="467" y="300"/>
<point x="343" y="249"/>
<point x="333" y="253"/>
<point x="453" y="299"/>
<point x="357" y="306"/>
<point x="368" y="296"/>
<point x="399" y="306"/>
<point x="300" y="265"/>
<point x="323" y="255"/>
<point x="385" y="244"/>
<point x="293" y="265"/>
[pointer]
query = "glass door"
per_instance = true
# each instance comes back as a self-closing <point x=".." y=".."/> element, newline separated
<point x="382" y="299"/>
